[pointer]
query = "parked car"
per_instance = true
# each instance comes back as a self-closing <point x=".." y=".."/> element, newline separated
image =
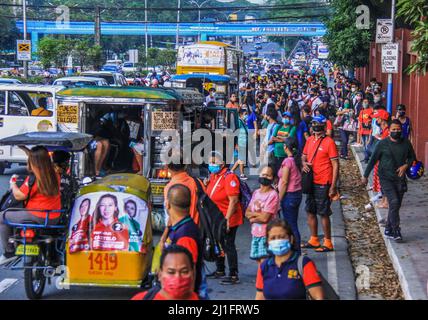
<point x="80" y="81"/>
<point x="9" y="80"/>
<point x="130" y="67"/>
<point x="113" y="79"/>
<point x="111" y="68"/>
<point x="258" y="46"/>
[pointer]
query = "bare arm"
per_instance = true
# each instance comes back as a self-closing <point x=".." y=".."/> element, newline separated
<point x="316" y="293"/>
<point x="18" y="194"/>
<point x="284" y="182"/>
<point x="260" y="295"/>
<point x="335" y="164"/>
<point x="261" y="217"/>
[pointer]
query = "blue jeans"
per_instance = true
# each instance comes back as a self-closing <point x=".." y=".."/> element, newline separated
<point x="365" y="139"/>
<point x="344" y="137"/>
<point x="290" y="211"/>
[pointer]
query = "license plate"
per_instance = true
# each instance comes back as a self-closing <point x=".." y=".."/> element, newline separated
<point x="30" y="250"/>
<point x="157" y="189"/>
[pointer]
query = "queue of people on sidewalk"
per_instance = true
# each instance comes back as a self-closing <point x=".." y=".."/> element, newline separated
<point x="294" y="117"/>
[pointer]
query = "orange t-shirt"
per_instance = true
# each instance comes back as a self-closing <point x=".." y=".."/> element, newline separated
<point x="186" y="180"/>
<point x="365" y="119"/>
<point x="321" y="165"/>
<point x="159" y="296"/>
<point x="232" y="105"/>
<point x="39" y="201"/>
<point x="227" y="186"/>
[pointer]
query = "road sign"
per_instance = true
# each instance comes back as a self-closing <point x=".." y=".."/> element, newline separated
<point x="390" y="58"/>
<point x="23" y="49"/>
<point x="384" y="31"/>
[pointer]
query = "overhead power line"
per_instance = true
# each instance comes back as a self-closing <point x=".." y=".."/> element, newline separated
<point x="311" y="5"/>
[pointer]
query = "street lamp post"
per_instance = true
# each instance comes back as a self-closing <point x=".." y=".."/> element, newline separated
<point x="390" y="84"/>
<point x="146" y="39"/>
<point x="178" y="23"/>
<point x="24" y="18"/>
<point x="199" y="14"/>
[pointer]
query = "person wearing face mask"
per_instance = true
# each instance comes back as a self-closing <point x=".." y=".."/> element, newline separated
<point x="290" y="186"/>
<point x="365" y="126"/>
<point x="282" y="132"/>
<point x="394" y="155"/>
<point x="183" y="230"/>
<point x="405" y="120"/>
<point x="347" y="124"/>
<point x="303" y="128"/>
<point x="241" y="147"/>
<point x="262" y="208"/>
<point x="176" y="277"/>
<point x="320" y="154"/>
<point x="278" y="277"/>
<point x="223" y="188"/>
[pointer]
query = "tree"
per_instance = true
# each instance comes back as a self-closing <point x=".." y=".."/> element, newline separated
<point x="415" y="12"/>
<point x="95" y="56"/>
<point x="349" y="46"/>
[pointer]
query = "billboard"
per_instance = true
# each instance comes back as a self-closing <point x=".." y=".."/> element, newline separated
<point x="201" y="55"/>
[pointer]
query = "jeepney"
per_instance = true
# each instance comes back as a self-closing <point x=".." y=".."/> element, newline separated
<point x="17" y="101"/>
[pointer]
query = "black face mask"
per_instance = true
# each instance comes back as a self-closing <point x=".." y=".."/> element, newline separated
<point x="395" y="135"/>
<point x="318" y="128"/>
<point x="265" y="181"/>
<point x="401" y="113"/>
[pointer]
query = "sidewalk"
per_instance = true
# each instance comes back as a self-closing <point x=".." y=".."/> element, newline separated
<point x="409" y="258"/>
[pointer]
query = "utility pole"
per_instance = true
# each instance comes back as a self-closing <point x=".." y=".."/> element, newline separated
<point x="97" y="26"/>
<point x="24" y="13"/>
<point x="146" y="40"/>
<point x="390" y="85"/>
<point x="178" y="24"/>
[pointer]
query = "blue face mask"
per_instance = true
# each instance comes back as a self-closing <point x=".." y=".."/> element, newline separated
<point x="286" y="121"/>
<point x="279" y="247"/>
<point x="214" y="168"/>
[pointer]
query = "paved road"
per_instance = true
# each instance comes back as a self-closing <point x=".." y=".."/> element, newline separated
<point x="267" y="49"/>
<point x="335" y="266"/>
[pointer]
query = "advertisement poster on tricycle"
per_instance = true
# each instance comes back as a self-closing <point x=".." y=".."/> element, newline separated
<point x="108" y="221"/>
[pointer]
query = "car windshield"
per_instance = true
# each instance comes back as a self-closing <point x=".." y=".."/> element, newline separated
<point x="128" y="65"/>
<point x="107" y="77"/>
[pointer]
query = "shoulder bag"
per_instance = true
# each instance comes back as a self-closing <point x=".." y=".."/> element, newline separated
<point x="308" y="177"/>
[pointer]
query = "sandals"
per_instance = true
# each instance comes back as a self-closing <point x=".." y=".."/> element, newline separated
<point x="307" y="245"/>
<point x="324" y="249"/>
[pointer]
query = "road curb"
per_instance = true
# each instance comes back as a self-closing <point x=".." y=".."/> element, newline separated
<point x="411" y="288"/>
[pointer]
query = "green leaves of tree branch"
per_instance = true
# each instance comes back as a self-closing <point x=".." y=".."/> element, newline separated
<point x="415" y="12"/>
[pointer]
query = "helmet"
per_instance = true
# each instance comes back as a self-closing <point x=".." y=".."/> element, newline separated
<point x="416" y="170"/>
<point x="320" y="120"/>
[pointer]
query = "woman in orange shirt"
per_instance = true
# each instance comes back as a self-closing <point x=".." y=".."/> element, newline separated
<point x="40" y="191"/>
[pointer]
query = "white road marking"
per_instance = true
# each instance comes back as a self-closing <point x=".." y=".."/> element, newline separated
<point x="7" y="283"/>
<point x="332" y="276"/>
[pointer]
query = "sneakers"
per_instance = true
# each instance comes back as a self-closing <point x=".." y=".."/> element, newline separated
<point x="396" y="235"/>
<point x="243" y="177"/>
<point x="216" y="275"/>
<point x="7" y="257"/>
<point x="388" y="233"/>
<point x="231" y="280"/>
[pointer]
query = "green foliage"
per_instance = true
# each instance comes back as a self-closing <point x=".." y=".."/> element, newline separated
<point x="348" y="46"/>
<point x="9" y="32"/>
<point x="157" y="57"/>
<point x="54" y="51"/>
<point x="415" y="12"/>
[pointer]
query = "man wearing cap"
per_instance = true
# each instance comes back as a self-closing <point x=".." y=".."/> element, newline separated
<point x="394" y="155"/>
<point x="405" y="121"/>
<point x="320" y="154"/>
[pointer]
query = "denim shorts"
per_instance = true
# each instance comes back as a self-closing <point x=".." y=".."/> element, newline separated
<point x="319" y="201"/>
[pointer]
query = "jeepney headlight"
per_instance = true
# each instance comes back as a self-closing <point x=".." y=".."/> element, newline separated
<point x="163" y="174"/>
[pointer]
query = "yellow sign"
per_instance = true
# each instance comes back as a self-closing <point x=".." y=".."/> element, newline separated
<point x="23" y="49"/>
<point x="68" y="114"/>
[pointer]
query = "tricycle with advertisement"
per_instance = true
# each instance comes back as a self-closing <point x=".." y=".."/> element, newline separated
<point x="103" y="237"/>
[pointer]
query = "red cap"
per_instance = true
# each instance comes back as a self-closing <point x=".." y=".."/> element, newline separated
<point x="383" y="114"/>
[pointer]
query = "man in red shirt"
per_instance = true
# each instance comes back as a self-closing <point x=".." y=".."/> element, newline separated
<point x="320" y="154"/>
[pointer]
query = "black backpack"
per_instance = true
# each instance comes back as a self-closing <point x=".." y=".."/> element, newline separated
<point x="9" y="201"/>
<point x="212" y="225"/>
